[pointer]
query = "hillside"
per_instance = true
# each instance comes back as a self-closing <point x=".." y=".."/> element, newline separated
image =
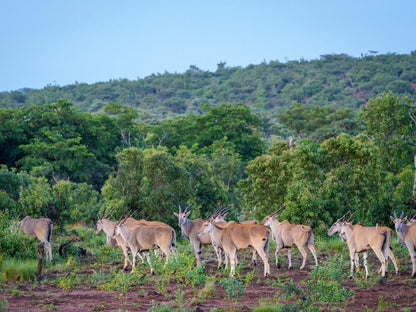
<point x="334" y="80"/>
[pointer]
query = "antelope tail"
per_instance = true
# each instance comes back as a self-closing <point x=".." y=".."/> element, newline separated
<point x="50" y="232"/>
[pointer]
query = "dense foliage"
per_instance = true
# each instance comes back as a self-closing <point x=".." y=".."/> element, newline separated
<point x="321" y="152"/>
<point x="336" y="80"/>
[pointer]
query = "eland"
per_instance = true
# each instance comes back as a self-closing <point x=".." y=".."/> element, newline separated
<point x="144" y="237"/>
<point x="406" y="235"/>
<point x="336" y="228"/>
<point x="190" y="229"/>
<point x="42" y="229"/>
<point x="360" y="239"/>
<point x="236" y="236"/>
<point x="288" y="235"/>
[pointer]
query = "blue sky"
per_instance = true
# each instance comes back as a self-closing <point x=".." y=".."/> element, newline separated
<point x="61" y="42"/>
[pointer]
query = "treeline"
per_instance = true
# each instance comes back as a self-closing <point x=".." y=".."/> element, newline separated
<point x="333" y="80"/>
<point x="61" y="162"/>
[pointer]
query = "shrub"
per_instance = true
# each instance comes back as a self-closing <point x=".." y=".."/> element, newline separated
<point x="13" y="243"/>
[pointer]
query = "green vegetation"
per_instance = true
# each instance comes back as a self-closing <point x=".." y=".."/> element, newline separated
<point x="323" y="136"/>
<point x="19" y="270"/>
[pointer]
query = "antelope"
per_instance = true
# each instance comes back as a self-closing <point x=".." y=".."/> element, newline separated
<point x="42" y="229"/>
<point x="190" y="230"/>
<point x="406" y="235"/>
<point x="288" y="235"/>
<point x="336" y="227"/>
<point x="219" y="219"/>
<point x="108" y="226"/>
<point x="236" y="236"/>
<point x="144" y="237"/>
<point x="360" y="239"/>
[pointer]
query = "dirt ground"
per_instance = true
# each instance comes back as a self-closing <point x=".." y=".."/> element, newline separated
<point x="397" y="293"/>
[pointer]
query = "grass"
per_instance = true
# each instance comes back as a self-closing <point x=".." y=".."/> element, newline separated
<point x="19" y="270"/>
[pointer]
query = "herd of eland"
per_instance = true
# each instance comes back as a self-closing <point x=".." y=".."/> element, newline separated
<point x="140" y="236"/>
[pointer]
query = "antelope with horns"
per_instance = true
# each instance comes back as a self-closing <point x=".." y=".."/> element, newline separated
<point x="288" y="235"/>
<point x="190" y="230"/>
<point x="42" y="229"/>
<point x="219" y="219"/>
<point x="144" y="237"/>
<point x="406" y="235"/>
<point x="336" y="228"/>
<point x="360" y="239"/>
<point x="108" y="226"/>
<point x="236" y="236"/>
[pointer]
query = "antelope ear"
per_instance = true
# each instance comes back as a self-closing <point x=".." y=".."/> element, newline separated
<point x="405" y="218"/>
<point x="392" y="219"/>
<point x="176" y="214"/>
<point x="187" y="214"/>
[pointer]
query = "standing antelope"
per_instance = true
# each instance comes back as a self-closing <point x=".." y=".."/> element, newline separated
<point x="42" y="229"/>
<point x="144" y="237"/>
<point x="219" y="219"/>
<point x="236" y="236"/>
<point x="288" y="235"/>
<point x="336" y="227"/>
<point x="360" y="239"/>
<point x="406" y="235"/>
<point x="190" y="230"/>
<point x="108" y="226"/>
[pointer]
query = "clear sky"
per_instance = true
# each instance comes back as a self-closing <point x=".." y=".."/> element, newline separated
<point x="62" y="42"/>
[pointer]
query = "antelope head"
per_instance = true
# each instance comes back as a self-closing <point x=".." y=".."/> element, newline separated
<point x="399" y="225"/>
<point x="99" y="225"/>
<point x="267" y="221"/>
<point x="182" y="216"/>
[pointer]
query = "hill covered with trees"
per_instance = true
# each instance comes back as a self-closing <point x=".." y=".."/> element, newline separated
<point x="335" y="80"/>
<point x="247" y="138"/>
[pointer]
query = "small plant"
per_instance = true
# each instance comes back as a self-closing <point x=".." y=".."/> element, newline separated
<point x="67" y="282"/>
<point x="249" y="277"/>
<point x="161" y="286"/>
<point x="381" y="305"/>
<point x="209" y="289"/>
<point x="233" y="287"/>
<point x="3" y="304"/>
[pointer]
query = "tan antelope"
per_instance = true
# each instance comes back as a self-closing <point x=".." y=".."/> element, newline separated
<point x="219" y="219"/>
<point x="288" y="235"/>
<point x="144" y="237"/>
<point x="406" y="235"/>
<point x="190" y="229"/>
<point x="336" y="228"/>
<point x="108" y="226"/>
<point x="360" y="239"/>
<point x="42" y="229"/>
<point x="236" y="236"/>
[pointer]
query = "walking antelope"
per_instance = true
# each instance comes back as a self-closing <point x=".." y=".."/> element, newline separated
<point x="288" y="235"/>
<point x="360" y="239"/>
<point x="236" y="236"/>
<point x="219" y="219"/>
<point x="144" y="237"/>
<point x="42" y="229"/>
<point x="190" y="230"/>
<point x="406" y="235"/>
<point x="336" y="228"/>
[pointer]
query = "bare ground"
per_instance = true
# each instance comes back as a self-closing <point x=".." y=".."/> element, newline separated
<point x="395" y="293"/>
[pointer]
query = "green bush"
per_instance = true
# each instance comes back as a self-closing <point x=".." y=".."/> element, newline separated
<point x="13" y="243"/>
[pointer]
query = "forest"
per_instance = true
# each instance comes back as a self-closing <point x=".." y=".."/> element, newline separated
<point x="322" y="137"/>
<point x="306" y="133"/>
